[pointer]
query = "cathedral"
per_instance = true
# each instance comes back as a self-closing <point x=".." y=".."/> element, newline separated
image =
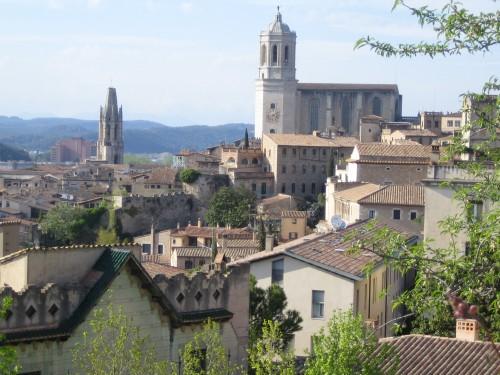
<point x="283" y="105"/>
<point x="110" y="141"/>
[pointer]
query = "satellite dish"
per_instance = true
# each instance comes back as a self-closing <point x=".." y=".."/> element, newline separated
<point x="337" y="222"/>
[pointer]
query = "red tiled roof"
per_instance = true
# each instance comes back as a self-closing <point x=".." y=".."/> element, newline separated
<point x="432" y="355"/>
<point x="161" y="269"/>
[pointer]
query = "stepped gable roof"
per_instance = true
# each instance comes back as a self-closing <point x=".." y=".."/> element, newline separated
<point x="294" y="214"/>
<point x="328" y="251"/>
<point x="421" y="354"/>
<point x="399" y="153"/>
<point x="310" y="140"/>
<point x="347" y="86"/>
<point x="403" y="195"/>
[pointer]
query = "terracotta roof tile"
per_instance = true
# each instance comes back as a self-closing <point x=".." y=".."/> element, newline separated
<point x="426" y="355"/>
<point x="161" y="269"/>
<point x="311" y="140"/>
<point x="401" y="153"/>
<point x="358" y="192"/>
<point x="403" y="195"/>
<point x="294" y="214"/>
<point x="194" y="252"/>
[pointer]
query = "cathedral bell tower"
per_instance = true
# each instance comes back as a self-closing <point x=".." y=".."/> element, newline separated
<point x="110" y="141"/>
<point x="276" y="86"/>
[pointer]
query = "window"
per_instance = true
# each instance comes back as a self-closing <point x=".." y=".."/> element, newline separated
<point x="292" y="235"/>
<point x="450" y="123"/>
<point x="286" y="56"/>
<point x="396" y="214"/>
<point x="146" y="248"/>
<point x="304" y="169"/>
<point x="283" y="188"/>
<point x="293" y="187"/>
<point x="244" y="162"/>
<point x="323" y="152"/>
<point x="283" y="169"/>
<point x="318" y="304"/>
<point x="283" y="151"/>
<point x="255" y="161"/>
<point x="413" y="215"/>
<point x="377" y="106"/>
<point x="314" y="114"/>
<point x="160" y="249"/>
<point x="314" y="151"/>
<point x="188" y="264"/>
<point x="313" y="169"/>
<point x="278" y="267"/>
<point x="371" y="214"/>
<point x="263" y="188"/>
<point x="192" y="241"/>
<point x="254" y="187"/>
<point x="263" y="55"/>
<point x="303" y="188"/>
<point x="457" y="123"/>
<point x="428" y="123"/>
<point x="275" y="55"/>
<point x="323" y="169"/>
<point x="304" y="151"/>
<point x="436" y="124"/>
<point x="294" y="151"/>
<point x="387" y="168"/>
<point x="313" y="188"/>
<point x="475" y="210"/>
<point x="294" y="168"/>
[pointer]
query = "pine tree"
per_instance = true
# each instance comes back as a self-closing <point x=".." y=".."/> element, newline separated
<point x="247" y="143"/>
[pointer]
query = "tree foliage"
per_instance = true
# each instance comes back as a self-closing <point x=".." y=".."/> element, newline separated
<point x="189" y="175"/>
<point x="230" y="206"/>
<point x="115" y="346"/>
<point x="268" y="356"/>
<point x="65" y="224"/>
<point x="205" y="354"/>
<point x="348" y="347"/>
<point x="270" y="305"/>
<point x="447" y="280"/>
<point x="8" y="356"/>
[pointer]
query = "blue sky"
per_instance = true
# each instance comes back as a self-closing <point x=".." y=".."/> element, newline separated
<point x="195" y="61"/>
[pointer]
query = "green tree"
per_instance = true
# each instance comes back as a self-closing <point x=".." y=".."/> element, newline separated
<point x="448" y="282"/>
<point x="136" y="159"/>
<point x="205" y="354"/>
<point x="261" y="235"/>
<point x="189" y="175"/>
<point x="115" y="346"/>
<point x="230" y="206"/>
<point x="270" y="305"/>
<point x="268" y="356"/>
<point x="108" y="235"/>
<point x="348" y="347"/>
<point x="8" y="356"/>
<point x="65" y="224"/>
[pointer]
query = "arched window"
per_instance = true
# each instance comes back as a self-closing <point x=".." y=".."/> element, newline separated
<point x="255" y="161"/>
<point x="230" y="160"/>
<point x="263" y="53"/>
<point x="314" y="114"/>
<point x="244" y="162"/>
<point x="275" y="54"/>
<point x="346" y="115"/>
<point x="285" y="60"/>
<point x="377" y="106"/>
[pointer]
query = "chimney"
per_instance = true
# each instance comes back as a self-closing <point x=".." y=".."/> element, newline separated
<point x="199" y="222"/>
<point x="269" y="242"/>
<point x="178" y="225"/>
<point x="467" y="330"/>
<point x="435" y="153"/>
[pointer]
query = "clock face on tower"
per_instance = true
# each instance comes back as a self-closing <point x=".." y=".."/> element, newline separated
<point x="273" y="115"/>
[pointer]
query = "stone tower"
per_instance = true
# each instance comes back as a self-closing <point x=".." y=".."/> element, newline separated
<point x="110" y="142"/>
<point x="275" y="102"/>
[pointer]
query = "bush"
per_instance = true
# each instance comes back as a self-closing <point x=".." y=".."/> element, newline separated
<point x="189" y="175"/>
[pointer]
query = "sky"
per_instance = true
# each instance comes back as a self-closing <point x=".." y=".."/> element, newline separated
<point x="195" y="62"/>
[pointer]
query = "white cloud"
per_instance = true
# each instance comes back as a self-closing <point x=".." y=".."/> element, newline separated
<point x="186" y="7"/>
<point x="93" y="3"/>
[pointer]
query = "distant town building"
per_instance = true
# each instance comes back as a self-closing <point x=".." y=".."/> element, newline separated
<point x="204" y="163"/>
<point x="283" y="105"/>
<point x="110" y="142"/>
<point x="299" y="161"/>
<point x="423" y="136"/>
<point x="72" y="150"/>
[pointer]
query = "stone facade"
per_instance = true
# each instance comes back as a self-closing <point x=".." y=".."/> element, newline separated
<point x="110" y="141"/>
<point x="285" y="106"/>
<point x="135" y="213"/>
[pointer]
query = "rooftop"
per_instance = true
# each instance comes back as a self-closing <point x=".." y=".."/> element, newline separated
<point x="368" y="193"/>
<point x="309" y="140"/>
<point x="420" y="354"/>
<point x="382" y="152"/>
<point x="328" y="251"/>
<point x="294" y="214"/>
<point x="347" y="86"/>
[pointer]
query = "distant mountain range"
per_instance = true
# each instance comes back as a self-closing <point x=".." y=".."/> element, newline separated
<point x="140" y="136"/>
